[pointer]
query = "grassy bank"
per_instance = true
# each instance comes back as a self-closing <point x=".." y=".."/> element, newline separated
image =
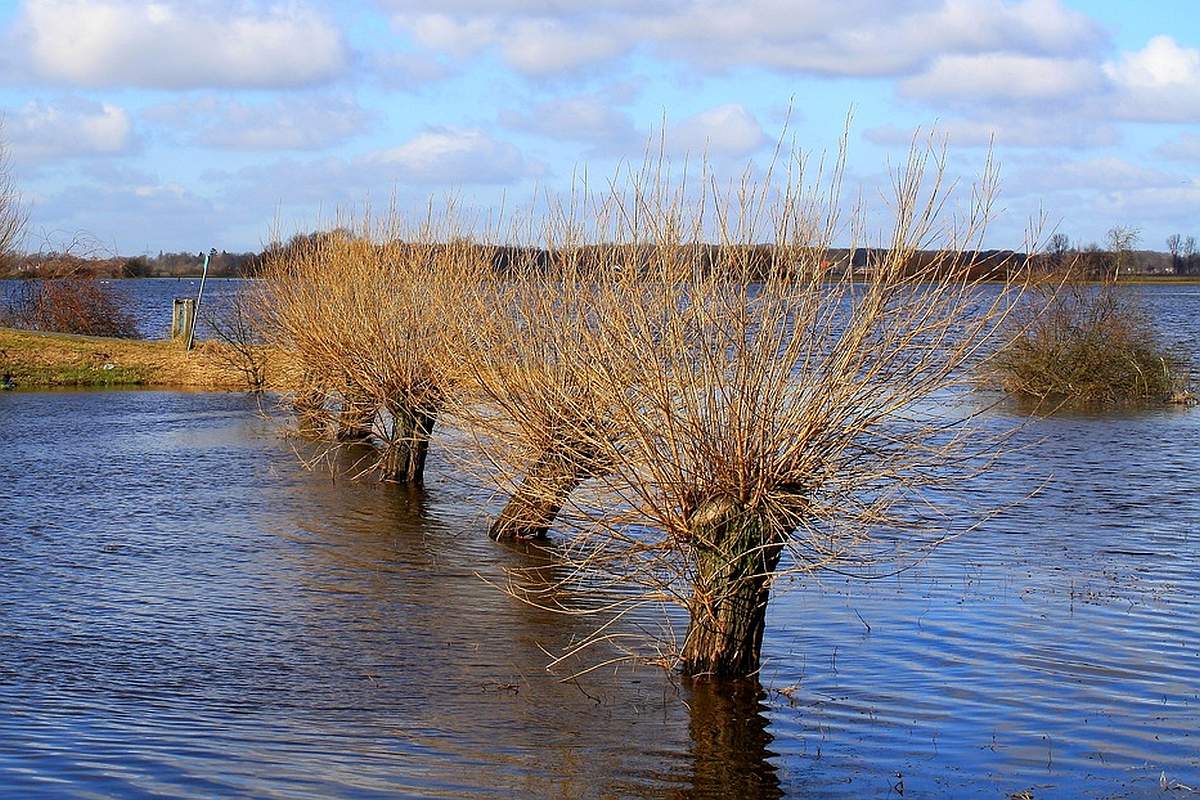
<point x="46" y="360"/>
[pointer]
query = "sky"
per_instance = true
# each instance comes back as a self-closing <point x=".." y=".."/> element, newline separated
<point x="218" y="123"/>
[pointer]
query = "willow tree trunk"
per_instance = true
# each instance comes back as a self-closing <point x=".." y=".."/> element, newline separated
<point x="404" y="454"/>
<point x="735" y="554"/>
<point x="532" y="508"/>
<point x="354" y="421"/>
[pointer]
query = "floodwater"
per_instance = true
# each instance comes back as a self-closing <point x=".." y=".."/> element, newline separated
<point x="149" y="300"/>
<point x="185" y="610"/>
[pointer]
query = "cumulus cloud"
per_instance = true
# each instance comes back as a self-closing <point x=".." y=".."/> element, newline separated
<point x="289" y="122"/>
<point x="1008" y="131"/>
<point x="599" y="120"/>
<point x="451" y="156"/>
<point x="1173" y="205"/>
<point x="431" y="159"/>
<point x="1185" y="147"/>
<point x="135" y="217"/>
<point x="1105" y="174"/>
<point x="66" y="128"/>
<point x="595" y="119"/>
<point x="848" y="38"/>
<point x="172" y="44"/>
<point x="1159" y="83"/>
<point x="725" y="130"/>
<point x="1008" y="77"/>
<point x="536" y="45"/>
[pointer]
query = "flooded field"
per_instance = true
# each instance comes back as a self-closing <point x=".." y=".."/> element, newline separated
<point x="186" y="610"/>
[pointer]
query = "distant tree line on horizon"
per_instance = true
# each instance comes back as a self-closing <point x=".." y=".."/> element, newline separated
<point x="1117" y="256"/>
<point x="55" y="264"/>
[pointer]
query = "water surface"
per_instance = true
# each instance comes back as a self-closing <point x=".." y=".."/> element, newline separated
<point x="186" y="611"/>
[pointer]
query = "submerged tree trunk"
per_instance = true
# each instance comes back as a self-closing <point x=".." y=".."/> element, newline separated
<point x="532" y="508"/>
<point x="404" y="454"/>
<point x="735" y="552"/>
<point x="354" y="422"/>
<point x="731" y="738"/>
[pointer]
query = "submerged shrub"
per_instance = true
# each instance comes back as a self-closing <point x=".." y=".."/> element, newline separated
<point x="1086" y="343"/>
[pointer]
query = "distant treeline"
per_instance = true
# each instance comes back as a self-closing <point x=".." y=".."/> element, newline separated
<point x="221" y="264"/>
<point x="1091" y="260"/>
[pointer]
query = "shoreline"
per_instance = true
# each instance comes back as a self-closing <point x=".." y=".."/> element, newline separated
<point x="44" y="360"/>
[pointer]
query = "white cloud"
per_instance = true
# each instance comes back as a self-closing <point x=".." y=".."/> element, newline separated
<point x="1105" y="174"/>
<point x="1174" y="205"/>
<point x="728" y="130"/>
<point x="1185" y="147"/>
<point x="451" y="156"/>
<point x="543" y="46"/>
<point x="173" y="44"/>
<point x="536" y="46"/>
<point x="1159" y="83"/>
<point x="851" y="37"/>
<point x="1010" y="130"/>
<point x="459" y="37"/>
<point x="409" y="71"/>
<point x="591" y="118"/>
<point x="69" y="127"/>
<point x="288" y="122"/>
<point x="135" y="217"/>
<point x="988" y="77"/>
<point x="598" y="119"/>
<point x="431" y="161"/>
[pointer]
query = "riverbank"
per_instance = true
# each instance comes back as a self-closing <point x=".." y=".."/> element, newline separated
<point x="37" y="360"/>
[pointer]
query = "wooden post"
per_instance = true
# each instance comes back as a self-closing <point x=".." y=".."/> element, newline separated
<point x="183" y="316"/>
<point x="199" y="297"/>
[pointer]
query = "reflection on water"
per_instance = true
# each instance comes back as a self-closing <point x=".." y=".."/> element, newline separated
<point x="185" y="610"/>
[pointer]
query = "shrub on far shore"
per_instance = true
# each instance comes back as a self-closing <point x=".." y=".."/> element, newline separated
<point x="77" y="304"/>
<point x="1088" y="344"/>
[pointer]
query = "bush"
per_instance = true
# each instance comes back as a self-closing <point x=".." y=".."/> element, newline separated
<point x="83" y="305"/>
<point x="77" y="304"/>
<point x="1083" y="343"/>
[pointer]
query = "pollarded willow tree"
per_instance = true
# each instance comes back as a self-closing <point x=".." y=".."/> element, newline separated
<point x="540" y="414"/>
<point x="361" y="316"/>
<point x="528" y="352"/>
<point x="751" y="405"/>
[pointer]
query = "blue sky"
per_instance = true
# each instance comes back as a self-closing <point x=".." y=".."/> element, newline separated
<point x="186" y="125"/>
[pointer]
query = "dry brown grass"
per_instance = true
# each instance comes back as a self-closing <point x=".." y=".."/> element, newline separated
<point x="36" y="360"/>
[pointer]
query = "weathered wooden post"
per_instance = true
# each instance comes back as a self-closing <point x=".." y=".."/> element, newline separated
<point x="183" y="316"/>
